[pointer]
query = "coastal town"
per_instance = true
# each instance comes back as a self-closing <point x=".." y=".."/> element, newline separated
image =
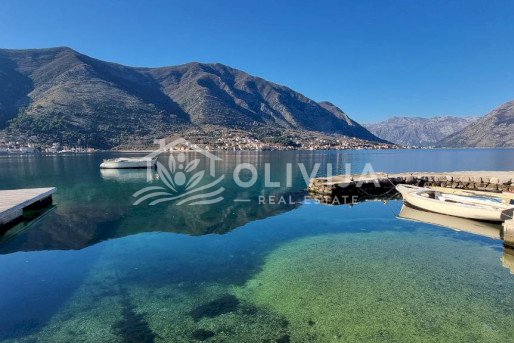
<point x="237" y="140"/>
<point x="20" y="147"/>
<point x="223" y="141"/>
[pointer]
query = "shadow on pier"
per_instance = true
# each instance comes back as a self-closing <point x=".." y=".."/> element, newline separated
<point x="353" y="194"/>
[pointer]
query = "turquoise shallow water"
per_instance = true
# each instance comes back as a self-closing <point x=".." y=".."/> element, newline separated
<point x="95" y="268"/>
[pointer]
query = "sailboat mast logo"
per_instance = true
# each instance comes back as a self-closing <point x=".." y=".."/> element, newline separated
<point x="182" y="181"/>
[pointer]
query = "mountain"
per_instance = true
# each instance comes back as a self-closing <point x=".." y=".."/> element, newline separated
<point x="418" y="131"/>
<point x="354" y="129"/>
<point x="496" y="129"/>
<point x="58" y="94"/>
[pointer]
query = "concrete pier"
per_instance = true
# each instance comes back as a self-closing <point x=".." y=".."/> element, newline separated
<point x="508" y="233"/>
<point x="14" y="202"/>
<point x="379" y="183"/>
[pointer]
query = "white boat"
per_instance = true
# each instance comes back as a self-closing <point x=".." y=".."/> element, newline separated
<point x="128" y="162"/>
<point x="471" y="207"/>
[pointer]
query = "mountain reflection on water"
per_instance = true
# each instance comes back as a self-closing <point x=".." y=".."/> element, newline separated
<point x="94" y="205"/>
<point x="100" y="206"/>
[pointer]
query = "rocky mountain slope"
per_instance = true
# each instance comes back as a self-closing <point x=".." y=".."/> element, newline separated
<point x="418" y="131"/>
<point x="354" y="129"/>
<point x="61" y="95"/>
<point x="496" y="129"/>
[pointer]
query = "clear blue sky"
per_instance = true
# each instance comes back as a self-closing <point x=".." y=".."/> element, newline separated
<point x="374" y="59"/>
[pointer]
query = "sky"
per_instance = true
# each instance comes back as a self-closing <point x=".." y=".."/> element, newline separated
<point x="374" y="59"/>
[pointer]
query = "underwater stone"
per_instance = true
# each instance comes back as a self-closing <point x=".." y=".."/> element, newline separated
<point x="225" y="304"/>
<point x="283" y="339"/>
<point x="202" y="334"/>
<point x="284" y="323"/>
<point x="249" y="310"/>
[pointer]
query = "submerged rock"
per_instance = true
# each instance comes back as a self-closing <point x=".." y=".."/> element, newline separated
<point x="202" y="334"/>
<point x="225" y="304"/>
<point x="283" y="339"/>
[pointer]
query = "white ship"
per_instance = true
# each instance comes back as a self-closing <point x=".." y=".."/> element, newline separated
<point x="127" y="163"/>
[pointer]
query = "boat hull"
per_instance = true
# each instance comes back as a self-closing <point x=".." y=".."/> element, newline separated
<point x="485" y="213"/>
<point x="126" y="165"/>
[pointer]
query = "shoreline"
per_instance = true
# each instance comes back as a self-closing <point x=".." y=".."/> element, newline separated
<point x="148" y="151"/>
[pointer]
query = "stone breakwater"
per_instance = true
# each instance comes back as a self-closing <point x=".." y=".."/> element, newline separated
<point x="381" y="185"/>
<point x="486" y="181"/>
<point x="507" y="235"/>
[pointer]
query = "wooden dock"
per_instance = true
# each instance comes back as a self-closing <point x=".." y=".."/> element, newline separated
<point x="14" y="202"/>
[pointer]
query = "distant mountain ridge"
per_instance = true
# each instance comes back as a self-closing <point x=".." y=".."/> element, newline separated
<point x="60" y="94"/>
<point x="496" y="129"/>
<point x="418" y="131"/>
